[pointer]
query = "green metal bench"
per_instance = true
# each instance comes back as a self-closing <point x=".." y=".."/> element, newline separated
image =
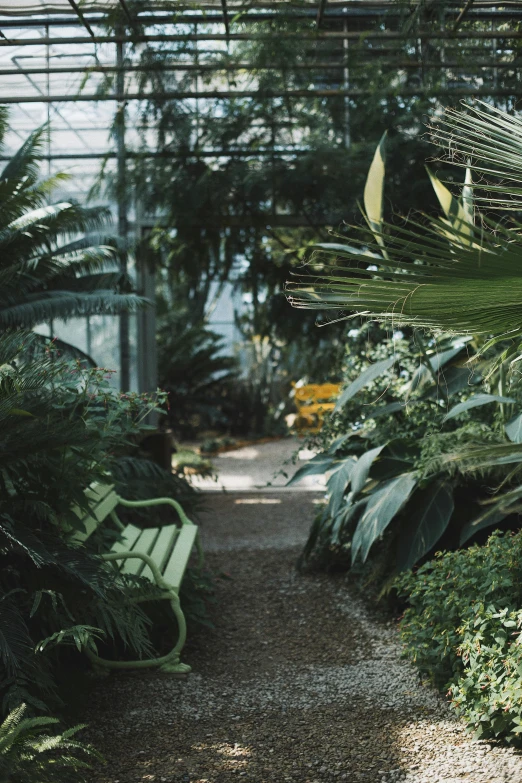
<point x="159" y="553"/>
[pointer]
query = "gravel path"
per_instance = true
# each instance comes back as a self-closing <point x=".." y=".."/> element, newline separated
<point x="253" y="467"/>
<point x="296" y="682"/>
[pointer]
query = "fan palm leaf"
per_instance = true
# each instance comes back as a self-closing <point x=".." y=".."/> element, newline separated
<point x="444" y="273"/>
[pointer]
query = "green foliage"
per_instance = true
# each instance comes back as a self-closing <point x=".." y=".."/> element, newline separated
<point x="412" y="459"/>
<point x="459" y="273"/>
<point x="29" y="753"/>
<point x="392" y="480"/>
<point x="462" y="629"/>
<point x="52" y="263"/>
<point x="195" y="373"/>
<point x="61" y="428"/>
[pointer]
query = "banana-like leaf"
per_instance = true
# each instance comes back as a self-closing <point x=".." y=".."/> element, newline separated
<point x="392" y="407"/>
<point x="344" y="517"/>
<point x="382" y="507"/>
<point x="371" y="373"/>
<point x="476" y="401"/>
<point x="431" y="513"/>
<point x="452" y="381"/>
<point x="374" y="191"/>
<point x="513" y="429"/>
<point x="337" y="484"/>
<point x="318" y="465"/>
<point x="362" y="467"/>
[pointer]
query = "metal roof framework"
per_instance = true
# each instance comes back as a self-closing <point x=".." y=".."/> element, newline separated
<point x="79" y="64"/>
<point x="58" y="57"/>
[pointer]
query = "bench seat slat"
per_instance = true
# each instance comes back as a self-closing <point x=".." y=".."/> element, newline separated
<point x="96" y="492"/>
<point x="144" y="545"/>
<point x="128" y="538"/>
<point x="179" y="558"/>
<point x="163" y="547"/>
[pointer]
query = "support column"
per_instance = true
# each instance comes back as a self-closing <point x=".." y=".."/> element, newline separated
<point x="346" y="86"/>
<point x="122" y="196"/>
<point x="147" y="351"/>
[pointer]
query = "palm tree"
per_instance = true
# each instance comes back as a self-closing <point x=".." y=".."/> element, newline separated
<point x="52" y="264"/>
<point x="446" y="273"/>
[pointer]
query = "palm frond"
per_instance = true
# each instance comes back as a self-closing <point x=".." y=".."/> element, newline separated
<point x="426" y="282"/>
<point x="44" y="305"/>
<point x="489" y="142"/>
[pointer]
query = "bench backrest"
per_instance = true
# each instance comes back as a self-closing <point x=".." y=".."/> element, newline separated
<point x="102" y="501"/>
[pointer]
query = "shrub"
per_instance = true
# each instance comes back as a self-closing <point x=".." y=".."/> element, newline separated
<point x="463" y="630"/>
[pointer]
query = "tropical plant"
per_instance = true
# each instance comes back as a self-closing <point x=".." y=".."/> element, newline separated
<point x="29" y="753"/>
<point x="61" y="428"/>
<point x="385" y="463"/>
<point x="437" y="273"/>
<point x="52" y="263"/>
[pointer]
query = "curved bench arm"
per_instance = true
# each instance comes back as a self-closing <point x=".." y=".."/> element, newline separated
<point x="166" y="502"/>
<point x="157" y="502"/>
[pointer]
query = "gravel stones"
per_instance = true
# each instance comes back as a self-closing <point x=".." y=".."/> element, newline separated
<point x="296" y="682"/>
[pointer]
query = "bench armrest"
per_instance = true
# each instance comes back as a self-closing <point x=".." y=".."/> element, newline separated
<point x="157" y="502"/>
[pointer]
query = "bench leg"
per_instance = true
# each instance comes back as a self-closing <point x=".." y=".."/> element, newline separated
<point x="168" y="663"/>
<point x="173" y="664"/>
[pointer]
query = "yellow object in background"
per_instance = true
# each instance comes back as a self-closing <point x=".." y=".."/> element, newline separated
<point x="312" y="402"/>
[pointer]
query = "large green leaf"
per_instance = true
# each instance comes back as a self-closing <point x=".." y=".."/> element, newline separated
<point x="382" y="507"/>
<point x="451" y="381"/>
<point x="337" y="483"/>
<point x="318" y="465"/>
<point x="371" y="373"/>
<point x="488" y="518"/>
<point x="431" y="512"/>
<point x="475" y="402"/>
<point x="344" y="517"/>
<point x="514" y="429"/>
<point x="362" y="467"/>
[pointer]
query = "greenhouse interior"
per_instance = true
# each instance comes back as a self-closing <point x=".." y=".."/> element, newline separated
<point x="260" y="391"/>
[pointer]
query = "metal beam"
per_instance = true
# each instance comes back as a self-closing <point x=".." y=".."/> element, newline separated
<point x="363" y="16"/>
<point x="81" y="17"/>
<point x="462" y="14"/>
<point x="219" y="67"/>
<point x="225" y="17"/>
<point x="327" y="35"/>
<point x="221" y="153"/>
<point x="226" y="95"/>
<point x="320" y="13"/>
